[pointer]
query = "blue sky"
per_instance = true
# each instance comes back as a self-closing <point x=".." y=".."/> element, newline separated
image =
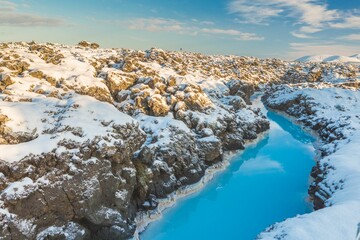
<point x="264" y="28"/>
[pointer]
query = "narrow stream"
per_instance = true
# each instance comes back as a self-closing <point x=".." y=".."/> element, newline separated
<point x="264" y="184"/>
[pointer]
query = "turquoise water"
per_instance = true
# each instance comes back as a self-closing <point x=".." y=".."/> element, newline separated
<point x="266" y="183"/>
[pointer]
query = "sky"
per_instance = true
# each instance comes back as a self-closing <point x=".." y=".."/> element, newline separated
<point x="286" y="29"/>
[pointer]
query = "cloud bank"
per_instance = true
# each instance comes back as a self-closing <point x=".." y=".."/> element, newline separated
<point x="11" y="16"/>
<point x="193" y="28"/>
<point x="311" y="16"/>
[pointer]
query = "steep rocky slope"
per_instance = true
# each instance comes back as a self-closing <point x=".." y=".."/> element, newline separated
<point x="91" y="136"/>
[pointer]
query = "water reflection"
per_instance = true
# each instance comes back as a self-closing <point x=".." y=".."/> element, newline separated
<point x="260" y="165"/>
<point x="295" y="130"/>
<point x="237" y="162"/>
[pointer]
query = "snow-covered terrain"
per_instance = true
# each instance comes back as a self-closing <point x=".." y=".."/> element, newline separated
<point x="329" y="58"/>
<point x="90" y="137"/>
<point x="334" y="114"/>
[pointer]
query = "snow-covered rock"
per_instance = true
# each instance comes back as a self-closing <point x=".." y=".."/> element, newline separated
<point x="334" y="114"/>
<point x="90" y="136"/>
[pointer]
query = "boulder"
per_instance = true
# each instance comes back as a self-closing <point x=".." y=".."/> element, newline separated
<point x="158" y="105"/>
<point x="244" y="89"/>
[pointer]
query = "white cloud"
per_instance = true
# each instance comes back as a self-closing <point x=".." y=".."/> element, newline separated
<point x="231" y="32"/>
<point x="260" y="165"/>
<point x="175" y="26"/>
<point x="256" y="11"/>
<point x="8" y="4"/>
<point x="309" y="29"/>
<point x="249" y="37"/>
<point x="306" y="11"/>
<point x="10" y="16"/>
<point x="350" y="22"/>
<point x="241" y="36"/>
<point x="351" y="37"/>
<point x="312" y="15"/>
<point x="207" y="23"/>
<point x="238" y="35"/>
<point x="156" y="25"/>
<point x="300" y="35"/>
<point x="202" y="22"/>
<point x="27" y="20"/>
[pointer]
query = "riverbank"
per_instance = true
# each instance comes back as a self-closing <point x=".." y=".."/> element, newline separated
<point x="143" y="219"/>
<point x="336" y="175"/>
<point x="230" y="205"/>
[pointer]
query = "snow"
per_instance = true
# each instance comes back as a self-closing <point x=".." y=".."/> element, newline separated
<point x="17" y="189"/>
<point x="71" y="231"/>
<point x="159" y="127"/>
<point x="121" y="194"/>
<point x="356" y="56"/>
<point x="13" y="153"/>
<point x="329" y="58"/>
<point x="74" y="71"/>
<point x="340" y="218"/>
<point x="209" y="139"/>
<point x="76" y="117"/>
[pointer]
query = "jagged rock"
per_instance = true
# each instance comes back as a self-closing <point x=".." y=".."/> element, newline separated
<point x="47" y="53"/>
<point x="16" y="66"/>
<point x="211" y="148"/>
<point x="158" y="105"/>
<point x="5" y="81"/>
<point x="244" y="89"/>
<point x="117" y="82"/>
<point x="89" y="188"/>
<point x="161" y="170"/>
<point x="233" y="141"/>
<point x="7" y="136"/>
<point x="195" y="99"/>
<point x="89" y="45"/>
<point x="37" y="74"/>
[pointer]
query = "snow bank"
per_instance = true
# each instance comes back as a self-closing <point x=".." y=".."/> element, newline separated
<point x="338" y="110"/>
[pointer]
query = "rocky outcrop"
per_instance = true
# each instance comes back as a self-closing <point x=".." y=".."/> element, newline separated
<point x="157" y="96"/>
<point x="87" y="192"/>
<point x="88" y="45"/>
<point x="330" y="131"/>
<point x="15" y="65"/>
<point x="5" y="81"/>
<point x="47" y="53"/>
<point x="7" y="136"/>
<point x="243" y="89"/>
<point x="168" y="167"/>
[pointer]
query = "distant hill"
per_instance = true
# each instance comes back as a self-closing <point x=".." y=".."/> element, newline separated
<point x="356" y="56"/>
<point x="329" y="58"/>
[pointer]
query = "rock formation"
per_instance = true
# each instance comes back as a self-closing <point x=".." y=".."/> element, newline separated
<point x="89" y="136"/>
